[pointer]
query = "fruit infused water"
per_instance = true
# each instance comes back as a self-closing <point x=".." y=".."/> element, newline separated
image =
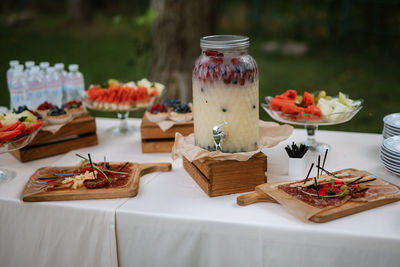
<point x="225" y="89"/>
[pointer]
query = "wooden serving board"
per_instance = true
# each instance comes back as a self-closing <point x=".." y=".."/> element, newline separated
<point x="155" y="140"/>
<point x="348" y="208"/>
<point x="78" y="133"/>
<point x="129" y="190"/>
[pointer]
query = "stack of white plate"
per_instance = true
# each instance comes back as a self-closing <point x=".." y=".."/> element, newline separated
<point x="391" y="125"/>
<point x="390" y="154"/>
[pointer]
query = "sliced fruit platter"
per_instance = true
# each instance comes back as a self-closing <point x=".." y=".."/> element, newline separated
<point x="311" y="108"/>
<point x="172" y="109"/>
<point x="17" y="129"/>
<point x="117" y="96"/>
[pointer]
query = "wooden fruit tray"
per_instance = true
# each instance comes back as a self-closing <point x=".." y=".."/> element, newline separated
<point x="78" y="133"/>
<point x="31" y="193"/>
<point x="155" y="140"/>
<point x="348" y="208"/>
<point x="218" y="178"/>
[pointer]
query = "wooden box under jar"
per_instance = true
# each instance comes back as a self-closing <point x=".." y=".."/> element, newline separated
<point x="155" y="140"/>
<point x="226" y="177"/>
<point x="78" y="133"/>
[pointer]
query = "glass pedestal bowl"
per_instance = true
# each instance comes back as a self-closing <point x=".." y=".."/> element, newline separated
<point x="122" y="114"/>
<point x="7" y="175"/>
<point x="311" y="122"/>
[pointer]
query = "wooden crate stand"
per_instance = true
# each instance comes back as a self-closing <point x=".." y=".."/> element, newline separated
<point x="218" y="178"/>
<point x="155" y="140"/>
<point x="78" y="133"/>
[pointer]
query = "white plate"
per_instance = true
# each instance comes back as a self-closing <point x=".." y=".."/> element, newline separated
<point x="392" y="170"/>
<point x="393" y="144"/>
<point x="392" y="120"/>
<point x="390" y="154"/>
<point x="385" y="129"/>
<point x="391" y="128"/>
<point x="388" y="163"/>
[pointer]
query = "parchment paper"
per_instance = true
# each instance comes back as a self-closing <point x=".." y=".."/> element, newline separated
<point x="167" y="124"/>
<point x="271" y="133"/>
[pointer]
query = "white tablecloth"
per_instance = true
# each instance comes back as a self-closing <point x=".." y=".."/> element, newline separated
<point x="172" y="222"/>
<point x="63" y="233"/>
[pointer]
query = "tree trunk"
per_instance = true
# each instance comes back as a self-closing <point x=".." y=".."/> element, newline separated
<point x="176" y="37"/>
<point x="79" y="11"/>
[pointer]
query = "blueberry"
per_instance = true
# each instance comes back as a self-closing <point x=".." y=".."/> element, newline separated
<point x="224" y="109"/>
<point x="254" y="106"/>
<point x="234" y="82"/>
<point x="202" y="89"/>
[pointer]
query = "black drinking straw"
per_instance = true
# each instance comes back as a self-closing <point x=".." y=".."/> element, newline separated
<point x="91" y="164"/>
<point x="356" y="180"/>
<point x="80" y="156"/>
<point x="315" y="179"/>
<point x="126" y="163"/>
<point x="308" y="174"/>
<point x="323" y="163"/>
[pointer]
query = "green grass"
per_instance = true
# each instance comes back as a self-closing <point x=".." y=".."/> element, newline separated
<point x="104" y="51"/>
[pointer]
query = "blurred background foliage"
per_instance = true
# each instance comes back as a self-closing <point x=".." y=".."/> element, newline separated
<point x="351" y="46"/>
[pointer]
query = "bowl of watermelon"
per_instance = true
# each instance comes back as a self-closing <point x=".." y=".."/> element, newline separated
<point x="311" y="110"/>
<point x="122" y="98"/>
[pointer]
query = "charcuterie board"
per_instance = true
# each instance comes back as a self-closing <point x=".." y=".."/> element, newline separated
<point x="348" y="208"/>
<point x="33" y="190"/>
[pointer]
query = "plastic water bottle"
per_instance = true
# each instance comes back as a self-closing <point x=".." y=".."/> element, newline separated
<point x="43" y="67"/>
<point x="28" y="67"/>
<point x="74" y="83"/>
<point x="18" y="89"/>
<point x="13" y="65"/>
<point x="29" y="64"/>
<point x="63" y="76"/>
<point x="36" y="88"/>
<point x="53" y="87"/>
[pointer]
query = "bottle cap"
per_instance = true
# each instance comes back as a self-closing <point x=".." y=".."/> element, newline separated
<point x="29" y="64"/>
<point x="73" y="67"/>
<point x="14" y="63"/>
<point x="44" y="65"/>
<point x="59" y="66"/>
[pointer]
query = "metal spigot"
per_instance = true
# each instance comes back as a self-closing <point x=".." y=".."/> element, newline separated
<point x="218" y="135"/>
